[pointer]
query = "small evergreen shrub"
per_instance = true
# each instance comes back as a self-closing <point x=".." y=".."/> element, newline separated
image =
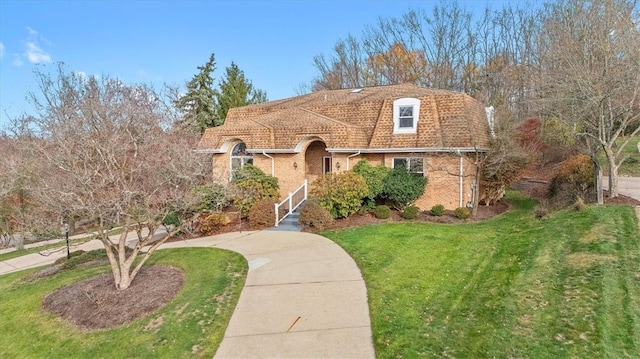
<point x="213" y="197"/>
<point x="437" y="210"/>
<point x="402" y="187"/>
<point x="171" y="219"/>
<point x="262" y="214"/>
<point x="382" y="212"/>
<point x="250" y="185"/>
<point x="209" y="223"/>
<point x="368" y="205"/>
<point x="462" y="213"/>
<point x="315" y="216"/>
<point x="410" y="212"/>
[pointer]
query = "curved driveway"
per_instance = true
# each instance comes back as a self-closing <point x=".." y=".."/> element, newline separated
<point x="304" y="298"/>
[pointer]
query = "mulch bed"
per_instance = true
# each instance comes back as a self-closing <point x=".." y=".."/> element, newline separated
<point x="95" y="303"/>
<point x="484" y="213"/>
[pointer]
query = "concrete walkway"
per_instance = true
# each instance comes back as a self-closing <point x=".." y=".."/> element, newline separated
<point x="628" y="186"/>
<point x="304" y="297"/>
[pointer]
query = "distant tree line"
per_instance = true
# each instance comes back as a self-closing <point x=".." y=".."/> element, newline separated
<point x="573" y="63"/>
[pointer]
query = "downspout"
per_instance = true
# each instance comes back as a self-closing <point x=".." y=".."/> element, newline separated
<point x="461" y="178"/>
<point x="273" y="163"/>
<point x="353" y="155"/>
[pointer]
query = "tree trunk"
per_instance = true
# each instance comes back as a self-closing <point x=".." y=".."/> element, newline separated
<point x="125" y="278"/>
<point x="613" y="179"/>
<point x="613" y="172"/>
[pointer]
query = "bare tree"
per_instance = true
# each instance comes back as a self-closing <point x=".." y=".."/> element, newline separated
<point x="590" y="73"/>
<point x="489" y="56"/>
<point x="106" y="152"/>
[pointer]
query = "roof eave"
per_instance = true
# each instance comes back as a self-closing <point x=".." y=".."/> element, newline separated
<point x="208" y="150"/>
<point x="272" y="150"/>
<point x="413" y="149"/>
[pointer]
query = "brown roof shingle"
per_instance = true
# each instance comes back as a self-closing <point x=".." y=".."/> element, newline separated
<point x="355" y="119"/>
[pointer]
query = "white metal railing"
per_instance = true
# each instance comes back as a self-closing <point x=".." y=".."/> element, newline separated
<point x="291" y="203"/>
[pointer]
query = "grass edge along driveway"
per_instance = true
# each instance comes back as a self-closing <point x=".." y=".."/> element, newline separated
<point x="191" y="325"/>
<point x="563" y="287"/>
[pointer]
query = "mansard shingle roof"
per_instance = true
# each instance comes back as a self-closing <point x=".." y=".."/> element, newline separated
<point x="352" y="119"/>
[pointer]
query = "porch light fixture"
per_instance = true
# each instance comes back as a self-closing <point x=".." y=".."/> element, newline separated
<point x="338" y="165"/>
<point x="295" y="165"/>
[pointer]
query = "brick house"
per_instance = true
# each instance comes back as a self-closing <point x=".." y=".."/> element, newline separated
<point x="435" y="133"/>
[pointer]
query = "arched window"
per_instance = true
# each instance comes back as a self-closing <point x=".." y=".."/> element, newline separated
<point x="240" y="156"/>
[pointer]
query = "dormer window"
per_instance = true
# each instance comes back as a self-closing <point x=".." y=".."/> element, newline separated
<point x="406" y="115"/>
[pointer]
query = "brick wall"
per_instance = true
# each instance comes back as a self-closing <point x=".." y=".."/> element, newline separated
<point x="442" y="171"/>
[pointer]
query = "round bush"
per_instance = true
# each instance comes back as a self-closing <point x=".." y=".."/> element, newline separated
<point x="315" y="216"/>
<point x="437" y="210"/>
<point x="382" y="212"/>
<point x="262" y="214"/>
<point x="462" y="212"/>
<point x="402" y="187"/>
<point x="410" y="212"/>
<point x="340" y="194"/>
<point x="209" y="223"/>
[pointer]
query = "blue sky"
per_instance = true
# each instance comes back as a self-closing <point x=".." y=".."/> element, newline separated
<point x="159" y="42"/>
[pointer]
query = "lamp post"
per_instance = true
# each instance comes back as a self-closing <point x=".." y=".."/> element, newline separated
<point x="66" y="234"/>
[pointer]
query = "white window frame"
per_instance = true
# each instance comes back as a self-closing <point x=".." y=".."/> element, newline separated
<point x="406" y="102"/>
<point x="408" y="164"/>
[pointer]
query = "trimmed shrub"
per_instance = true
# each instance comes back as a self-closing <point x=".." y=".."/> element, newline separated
<point x="402" y="187"/>
<point x="209" y="223"/>
<point x="462" y="212"/>
<point x="340" y="194"/>
<point x="171" y="219"/>
<point x="373" y="175"/>
<point x="213" y="197"/>
<point x="368" y="205"/>
<point x="315" y="216"/>
<point x="410" y="212"/>
<point x="262" y="214"/>
<point x="382" y="212"/>
<point x="250" y="185"/>
<point x="437" y="210"/>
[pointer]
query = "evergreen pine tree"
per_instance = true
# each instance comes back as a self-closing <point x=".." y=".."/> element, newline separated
<point x="198" y="105"/>
<point x="236" y="90"/>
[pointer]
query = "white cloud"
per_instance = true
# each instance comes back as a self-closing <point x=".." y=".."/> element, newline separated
<point x="1" y="50"/>
<point x="31" y="31"/>
<point x="35" y="54"/>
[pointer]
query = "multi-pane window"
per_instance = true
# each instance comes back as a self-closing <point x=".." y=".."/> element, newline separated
<point x="240" y="156"/>
<point x="405" y="118"/>
<point x="405" y="115"/>
<point x="412" y="164"/>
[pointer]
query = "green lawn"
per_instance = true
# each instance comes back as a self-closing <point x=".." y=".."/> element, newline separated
<point x="631" y="166"/>
<point x="45" y="248"/>
<point x="513" y="287"/>
<point x="193" y="324"/>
